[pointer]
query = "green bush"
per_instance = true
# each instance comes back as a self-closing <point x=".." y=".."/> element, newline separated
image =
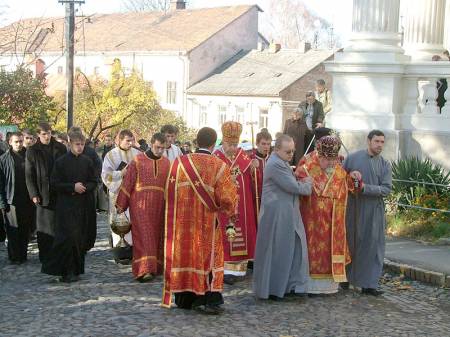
<point x="415" y="169"/>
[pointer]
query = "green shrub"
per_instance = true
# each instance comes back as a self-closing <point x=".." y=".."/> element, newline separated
<point x="415" y="169"/>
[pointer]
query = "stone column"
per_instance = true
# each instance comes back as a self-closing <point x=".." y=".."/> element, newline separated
<point x="375" y="26"/>
<point x="424" y="28"/>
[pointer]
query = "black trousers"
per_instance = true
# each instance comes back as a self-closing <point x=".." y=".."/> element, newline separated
<point x="17" y="243"/>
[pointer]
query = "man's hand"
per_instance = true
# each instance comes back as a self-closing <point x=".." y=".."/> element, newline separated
<point x="319" y="125"/>
<point x="231" y="234"/>
<point x="119" y="210"/>
<point x="36" y="200"/>
<point x="255" y="163"/>
<point x="307" y="180"/>
<point x="80" y="188"/>
<point x="356" y="175"/>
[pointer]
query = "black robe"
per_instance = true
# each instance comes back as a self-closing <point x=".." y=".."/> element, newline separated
<point x="72" y="214"/>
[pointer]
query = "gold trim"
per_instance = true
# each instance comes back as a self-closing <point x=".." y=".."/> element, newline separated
<point x="145" y="258"/>
<point x="193" y="270"/>
<point x="125" y="191"/>
<point x="144" y="188"/>
<point x="322" y="276"/>
<point x="338" y="258"/>
<point x="238" y="266"/>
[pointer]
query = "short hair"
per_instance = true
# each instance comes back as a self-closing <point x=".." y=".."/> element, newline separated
<point x="27" y="131"/>
<point x="43" y="127"/>
<point x="436" y="58"/>
<point x="310" y="94"/>
<point x="75" y="134"/>
<point x="170" y="129"/>
<point x="446" y="53"/>
<point x="187" y="143"/>
<point x="16" y="133"/>
<point x="158" y="137"/>
<point x="107" y="135"/>
<point x="142" y="141"/>
<point x="206" y="137"/>
<point x="263" y="135"/>
<point x="320" y="82"/>
<point x="125" y="133"/>
<point x="374" y="133"/>
<point x="64" y="135"/>
<point x="282" y="139"/>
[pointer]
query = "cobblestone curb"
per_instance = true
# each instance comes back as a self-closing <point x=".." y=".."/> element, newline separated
<point x="418" y="274"/>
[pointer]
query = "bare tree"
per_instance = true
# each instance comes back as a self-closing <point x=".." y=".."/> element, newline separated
<point x="146" y="5"/>
<point x="292" y="23"/>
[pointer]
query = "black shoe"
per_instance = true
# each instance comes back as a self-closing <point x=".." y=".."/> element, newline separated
<point x="69" y="278"/>
<point x="371" y="291"/>
<point x="207" y="309"/>
<point x="345" y="285"/>
<point x="275" y="298"/>
<point x="146" y="278"/>
<point x="229" y="279"/>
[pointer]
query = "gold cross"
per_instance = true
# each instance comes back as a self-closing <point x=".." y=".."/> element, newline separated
<point x="197" y="183"/>
<point x="172" y="180"/>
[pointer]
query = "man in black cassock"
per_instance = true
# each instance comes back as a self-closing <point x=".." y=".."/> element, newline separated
<point x="74" y="181"/>
<point x="17" y="208"/>
<point x="39" y="162"/>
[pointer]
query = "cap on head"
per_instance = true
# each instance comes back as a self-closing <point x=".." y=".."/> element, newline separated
<point x="231" y="132"/>
<point x="328" y="147"/>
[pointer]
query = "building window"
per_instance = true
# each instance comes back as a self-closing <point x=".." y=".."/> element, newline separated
<point x="263" y="118"/>
<point x="96" y="71"/>
<point x="222" y="114"/>
<point x="203" y="115"/>
<point x="171" y="92"/>
<point x="60" y="70"/>
<point x="240" y="114"/>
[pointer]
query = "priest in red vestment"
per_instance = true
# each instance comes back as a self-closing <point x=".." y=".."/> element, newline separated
<point x="323" y="214"/>
<point x="242" y="249"/>
<point x="142" y="192"/>
<point x="261" y="154"/>
<point x="198" y="187"/>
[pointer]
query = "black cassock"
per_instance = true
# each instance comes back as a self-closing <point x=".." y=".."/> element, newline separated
<point x="72" y="214"/>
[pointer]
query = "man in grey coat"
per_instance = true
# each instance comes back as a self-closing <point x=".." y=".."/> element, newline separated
<point x="281" y="257"/>
<point x="365" y="217"/>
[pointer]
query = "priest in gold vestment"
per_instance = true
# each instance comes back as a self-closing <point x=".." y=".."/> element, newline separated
<point x="198" y="187"/>
<point x="323" y="214"/>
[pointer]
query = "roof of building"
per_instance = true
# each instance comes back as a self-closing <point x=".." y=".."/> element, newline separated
<point x="260" y="73"/>
<point x="180" y="30"/>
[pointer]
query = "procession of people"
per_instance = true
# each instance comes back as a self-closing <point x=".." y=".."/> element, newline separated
<point x="300" y="220"/>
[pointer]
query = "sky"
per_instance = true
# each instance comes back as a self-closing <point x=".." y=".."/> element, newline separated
<point x="337" y="12"/>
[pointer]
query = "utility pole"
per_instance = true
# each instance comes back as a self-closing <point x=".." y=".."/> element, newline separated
<point x="70" y="50"/>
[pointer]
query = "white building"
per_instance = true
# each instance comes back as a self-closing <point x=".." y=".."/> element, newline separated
<point x="378" y="84"/>
<point x="258" y="87"/>
<point x="173" y="50"/>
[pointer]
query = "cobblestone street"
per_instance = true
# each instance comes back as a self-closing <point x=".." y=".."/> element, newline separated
<point x="107" y="302"/>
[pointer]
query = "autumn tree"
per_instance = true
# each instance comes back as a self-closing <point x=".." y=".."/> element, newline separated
<point x="22" y="99"/>
<point x="123" y="101"/>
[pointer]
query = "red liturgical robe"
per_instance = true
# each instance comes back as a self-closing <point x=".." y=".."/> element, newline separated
<point x="142" y="191"/>
<point x="323" y="214"/>
<point x="242" y="248"/>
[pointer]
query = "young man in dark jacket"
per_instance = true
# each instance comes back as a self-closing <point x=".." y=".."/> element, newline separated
<point x="39" y="163"/>
<point x="15" y="204"/>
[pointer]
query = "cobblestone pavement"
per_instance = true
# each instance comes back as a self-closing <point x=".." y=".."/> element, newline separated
<point x="107" y="302"/>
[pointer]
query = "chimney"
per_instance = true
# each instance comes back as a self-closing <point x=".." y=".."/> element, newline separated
<point x="274" y="48"/>
<point x="177" y="5"/>
<point x="304" y="46"/>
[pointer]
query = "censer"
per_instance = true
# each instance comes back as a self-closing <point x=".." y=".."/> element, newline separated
<point x="121" y="226"/>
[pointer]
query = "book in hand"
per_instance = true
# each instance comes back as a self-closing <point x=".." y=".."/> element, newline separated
<point x="121" y="166"/>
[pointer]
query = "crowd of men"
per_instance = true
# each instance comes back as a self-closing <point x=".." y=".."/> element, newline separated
<point x="306" y="224"/>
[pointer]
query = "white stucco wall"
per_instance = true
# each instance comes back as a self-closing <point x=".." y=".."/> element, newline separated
<point x="251" y="112"/>
<point x="241" y="34"/>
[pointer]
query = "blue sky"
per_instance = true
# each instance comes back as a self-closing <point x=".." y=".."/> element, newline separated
<point x="338" y="12"/>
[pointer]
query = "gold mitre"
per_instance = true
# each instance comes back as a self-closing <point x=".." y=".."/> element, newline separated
<point x="231" y="132"/>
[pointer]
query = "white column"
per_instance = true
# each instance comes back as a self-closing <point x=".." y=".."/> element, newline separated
<point x="375" y="26"/>
<point x="411" y="95"/>
<point x="424" y="28"/>
<point x="447" y="26"/>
